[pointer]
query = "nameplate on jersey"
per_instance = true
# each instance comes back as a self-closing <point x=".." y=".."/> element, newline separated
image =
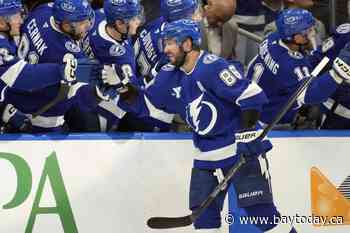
<point x="117" y="50"/>
<point x="72" y="47"/>
<point x="210" y="58"/>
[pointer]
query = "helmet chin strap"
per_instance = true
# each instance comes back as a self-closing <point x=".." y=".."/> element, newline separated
<point x="71" y="32"/>
<point x="183" y="59"/>
<point x="123" y="36"/>
<point x="7" y="32"/>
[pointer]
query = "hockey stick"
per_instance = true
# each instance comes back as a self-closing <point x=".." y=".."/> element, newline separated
<point x="250" y="35"/>
<point x="62" y="93"/>
<point x="174" y="222"/>
<point x="64" y="87"/>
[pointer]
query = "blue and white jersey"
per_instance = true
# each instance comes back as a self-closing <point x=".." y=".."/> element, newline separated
<point x="333" y="44"/>
<point x="279" y="71"/>
<point x="21" y="87"/>
<point x="18" y="75"/>
<point x="337" y="109"/>
<point x="110" y="51"/>
<point x="210" y="98"/>
<point x="148" y="47"/>
<point x="42" y="41"/>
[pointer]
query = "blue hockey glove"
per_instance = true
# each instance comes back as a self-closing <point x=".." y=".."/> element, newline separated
<point x="162" y="61"/>
<point x="341" y="67"/>
<point x="15" y="119"/>
<point x="88" y="70"/>
<point x="249" y="143"/>
<point x="106" y="92"/>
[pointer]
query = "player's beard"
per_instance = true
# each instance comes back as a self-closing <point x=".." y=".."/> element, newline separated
<point x="180" y="58"/>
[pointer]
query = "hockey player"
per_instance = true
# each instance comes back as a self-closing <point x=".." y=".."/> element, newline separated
<point x="220" y="105"/>
<point x="50" y="32"/>
<point x="110" y="43"/>
<point x="150" y="57"/>
<point x="337" y="108"/>
<point x="282" y="65"/>
<point x="109" y="38"/>
<point x="20" y="87"/>
<point x="148" y="45"/>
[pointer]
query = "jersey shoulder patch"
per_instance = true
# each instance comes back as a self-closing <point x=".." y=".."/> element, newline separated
<point x="168" y="67"/>
<point x="72" y="47"/>
<point x="117" y="50"/>
<point x="343" y="28"/>
<point x="295" y="54"/>
<point x="210" y="58"/>
<point x="327" y="44"/>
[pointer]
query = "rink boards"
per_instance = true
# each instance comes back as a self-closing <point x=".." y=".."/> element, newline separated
<point x="115" y="182"/>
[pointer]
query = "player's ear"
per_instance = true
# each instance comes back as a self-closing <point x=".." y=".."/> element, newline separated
<point x="3" y="24"/>
<point x="298" y="38"/>
<point x="187" y="45"/>
<point x="118" y="23"/>
<point x="65" y="26"/>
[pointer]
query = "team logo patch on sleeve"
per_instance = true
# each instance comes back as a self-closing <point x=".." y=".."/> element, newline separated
<point x="117" y="50"/>
<point x="210" y="58"/>
<point x="72" y="47"/>
<point x="33" y="57"/>
<point x="343" y="28"/>
<point x="168" y="67"/>
<point x="327" y="44"/>
<point x="295" y="54"/>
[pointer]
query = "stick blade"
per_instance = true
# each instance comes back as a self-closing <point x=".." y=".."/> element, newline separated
<point x="165" y="222"/>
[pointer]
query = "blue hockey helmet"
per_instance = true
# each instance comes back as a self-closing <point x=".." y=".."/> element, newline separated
<point x="72" y="10"/>
<point x="178" y="9"/>
<point x="10" y="7"/>
<point x="182" y="29"/>
<point x="121" y="10"/>
<point x="294" y="21"/>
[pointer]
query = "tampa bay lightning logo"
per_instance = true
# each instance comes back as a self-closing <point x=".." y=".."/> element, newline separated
<point x="117" y="50"/>
<point x="68" y="6"/>
<point x="343" y="28"/>
<point x="173" y="2"/>
<point x="118" y="2"/>
<point x="290" y="20"/>
<point x="193" y="111"/>
<point x="72" y="47"/>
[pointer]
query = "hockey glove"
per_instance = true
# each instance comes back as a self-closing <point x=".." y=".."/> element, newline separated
<point x="15" y="120"/>
<point x="249" y="143"/>
<point x="341" y="67"/>
<point x="88" y="70"/>
<point x="110" y="77"/>
<point x="106" y="92"/>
